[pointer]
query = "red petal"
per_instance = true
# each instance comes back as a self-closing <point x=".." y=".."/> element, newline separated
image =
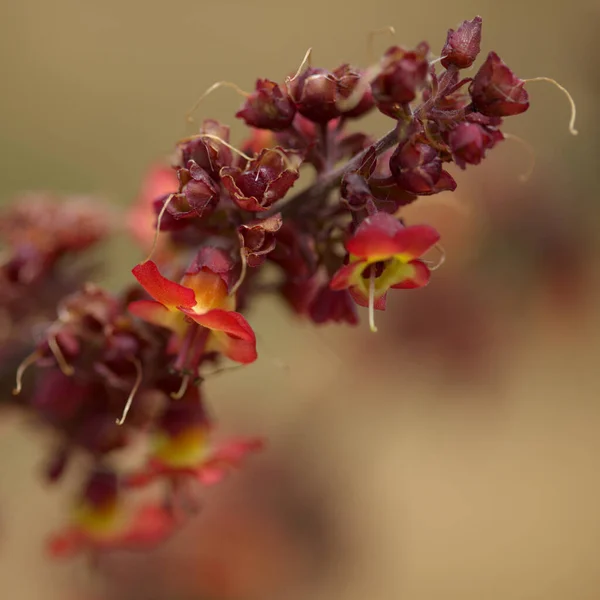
<point x="165" y="291"/>
<point x="375" y="238"/>
<point x="233" y="334"/>
<point x="419" y="278"/>
<point x="227" y="457"/>
<point x="362" y="299"/>
<point x="412" y="242"/>
<point x="66" y="543"/>
<point x="151" y="524"/>
<point x="347" y="275"/>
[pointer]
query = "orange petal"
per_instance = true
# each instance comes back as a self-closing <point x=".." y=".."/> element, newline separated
<point x="157" y="314"/>
<point x="165" y="291"/>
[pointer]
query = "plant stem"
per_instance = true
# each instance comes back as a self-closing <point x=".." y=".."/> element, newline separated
<point x="330" y="180"/>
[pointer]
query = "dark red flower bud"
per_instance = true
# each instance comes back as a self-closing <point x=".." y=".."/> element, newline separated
<point x="333" y="305"/>
<point x="462" y="46"/>
<point x="355" y="191"/>
<point x="322" y="95"/>
<point x="199" y="194"/>
<point x="497" y="91"/>
<point x="417" y="168"/>
<point x="206" y="150"/>
<point x="269" y="107"/>
<point x="257" y="238"/>
<point x="403" y="72"/>
<point x="101" y="490"/>
<point x="469" y="142"/>
<point x="265" y="180"/>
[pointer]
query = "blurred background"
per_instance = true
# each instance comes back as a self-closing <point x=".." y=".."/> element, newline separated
<point x="454" y="454"/>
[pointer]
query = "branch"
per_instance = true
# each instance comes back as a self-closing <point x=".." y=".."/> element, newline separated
<point x="326" y="183"/>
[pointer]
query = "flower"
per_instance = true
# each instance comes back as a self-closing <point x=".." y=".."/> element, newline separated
<point x="384" y="254"/>
<point x="469" y="142"/>
<point x="497" y="91"/>
<point x="322" y="95"/>
<point x="182" y="447"/>
<point x="257" y="238"/>
<point x="266" y="179"/>
<point x="462" y="46"/>
<point x="417" y="168"/>
<point x="403" y="73"/>
<point x="269" y="107"/>
<point x="100" y="521"/>
<point x="201" y="297"/>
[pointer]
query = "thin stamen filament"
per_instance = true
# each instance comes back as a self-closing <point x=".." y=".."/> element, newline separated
<point x="210" y="136"/>
<point x="372" y="326"/>
<point x="178" y="395"/>
<point x="242" y="276"/>
<point x="572" y="129"/>
<point x="64" y="366"/>
<point x="210" y="90"/>
<point x="157" y="230"/>
<point x="25" y="364"/>
<point x="524" y="176"/>
<point x="136" y="387"/>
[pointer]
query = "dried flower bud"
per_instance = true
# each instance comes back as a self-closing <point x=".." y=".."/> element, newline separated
<point x="470" y="141"/>
<point x="199" y="194"/>
<point x="257" y="238"/>
<point x="497" y="91"/>
<point x="269" y="107"/>
<point x="322" y="95"/>
<point x="462" y="46"/>
<point x="417" y="168"/>
<point x="206" y="150"/>
<point x="403" y="72"/>
<point x="265" y="180"/>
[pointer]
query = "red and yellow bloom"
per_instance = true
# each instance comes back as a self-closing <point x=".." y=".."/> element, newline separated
<point x="101" y="521"/>
<point x="202" y="297"/>
<point x="384" y="254"/>
<point x="183" y="448"/>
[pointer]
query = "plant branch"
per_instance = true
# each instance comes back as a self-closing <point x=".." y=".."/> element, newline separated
<point x="329" y="181"/>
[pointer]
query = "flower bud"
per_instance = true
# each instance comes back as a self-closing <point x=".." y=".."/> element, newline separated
<point x="265" y="180"/>
<point x="269" y="107"/>
<point x="417" y="168"/>
<point x="470" y="141"/>
<point x="403" y="72"/>
<point x="462" y="46"/>
<point x="496" y="91"/>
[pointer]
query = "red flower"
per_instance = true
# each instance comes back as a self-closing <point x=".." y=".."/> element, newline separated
<point x="101" y="521"/>
<point x="265" y="179"/>
<point x="497" y="91"/>
<point x="182" y="447"/>
<point x="384" y="254"/>
<point x="202" y="297"/>
<point x="470" y="141"/>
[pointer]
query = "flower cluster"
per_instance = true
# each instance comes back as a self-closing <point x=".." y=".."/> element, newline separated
<point x="214" y="223"/>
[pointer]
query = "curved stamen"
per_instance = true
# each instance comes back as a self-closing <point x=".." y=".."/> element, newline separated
<point x="372" y="326"/>
<point x="238" y="283"/>
<point x="433" y="266"/>
<point x="64" y="366"/>
<point x="25" y="364"/>
<point x="572" y="129"/>
<point x="529" y="148"/>
<point x="371" y="38"/>
<point x="134" y="389"/>
<point x="190" y="119"/>
<point x="185" y="381"/>
<point x="157" y="229"/>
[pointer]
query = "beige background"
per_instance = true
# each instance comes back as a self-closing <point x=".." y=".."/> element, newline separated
<point x="480" y="490"/>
